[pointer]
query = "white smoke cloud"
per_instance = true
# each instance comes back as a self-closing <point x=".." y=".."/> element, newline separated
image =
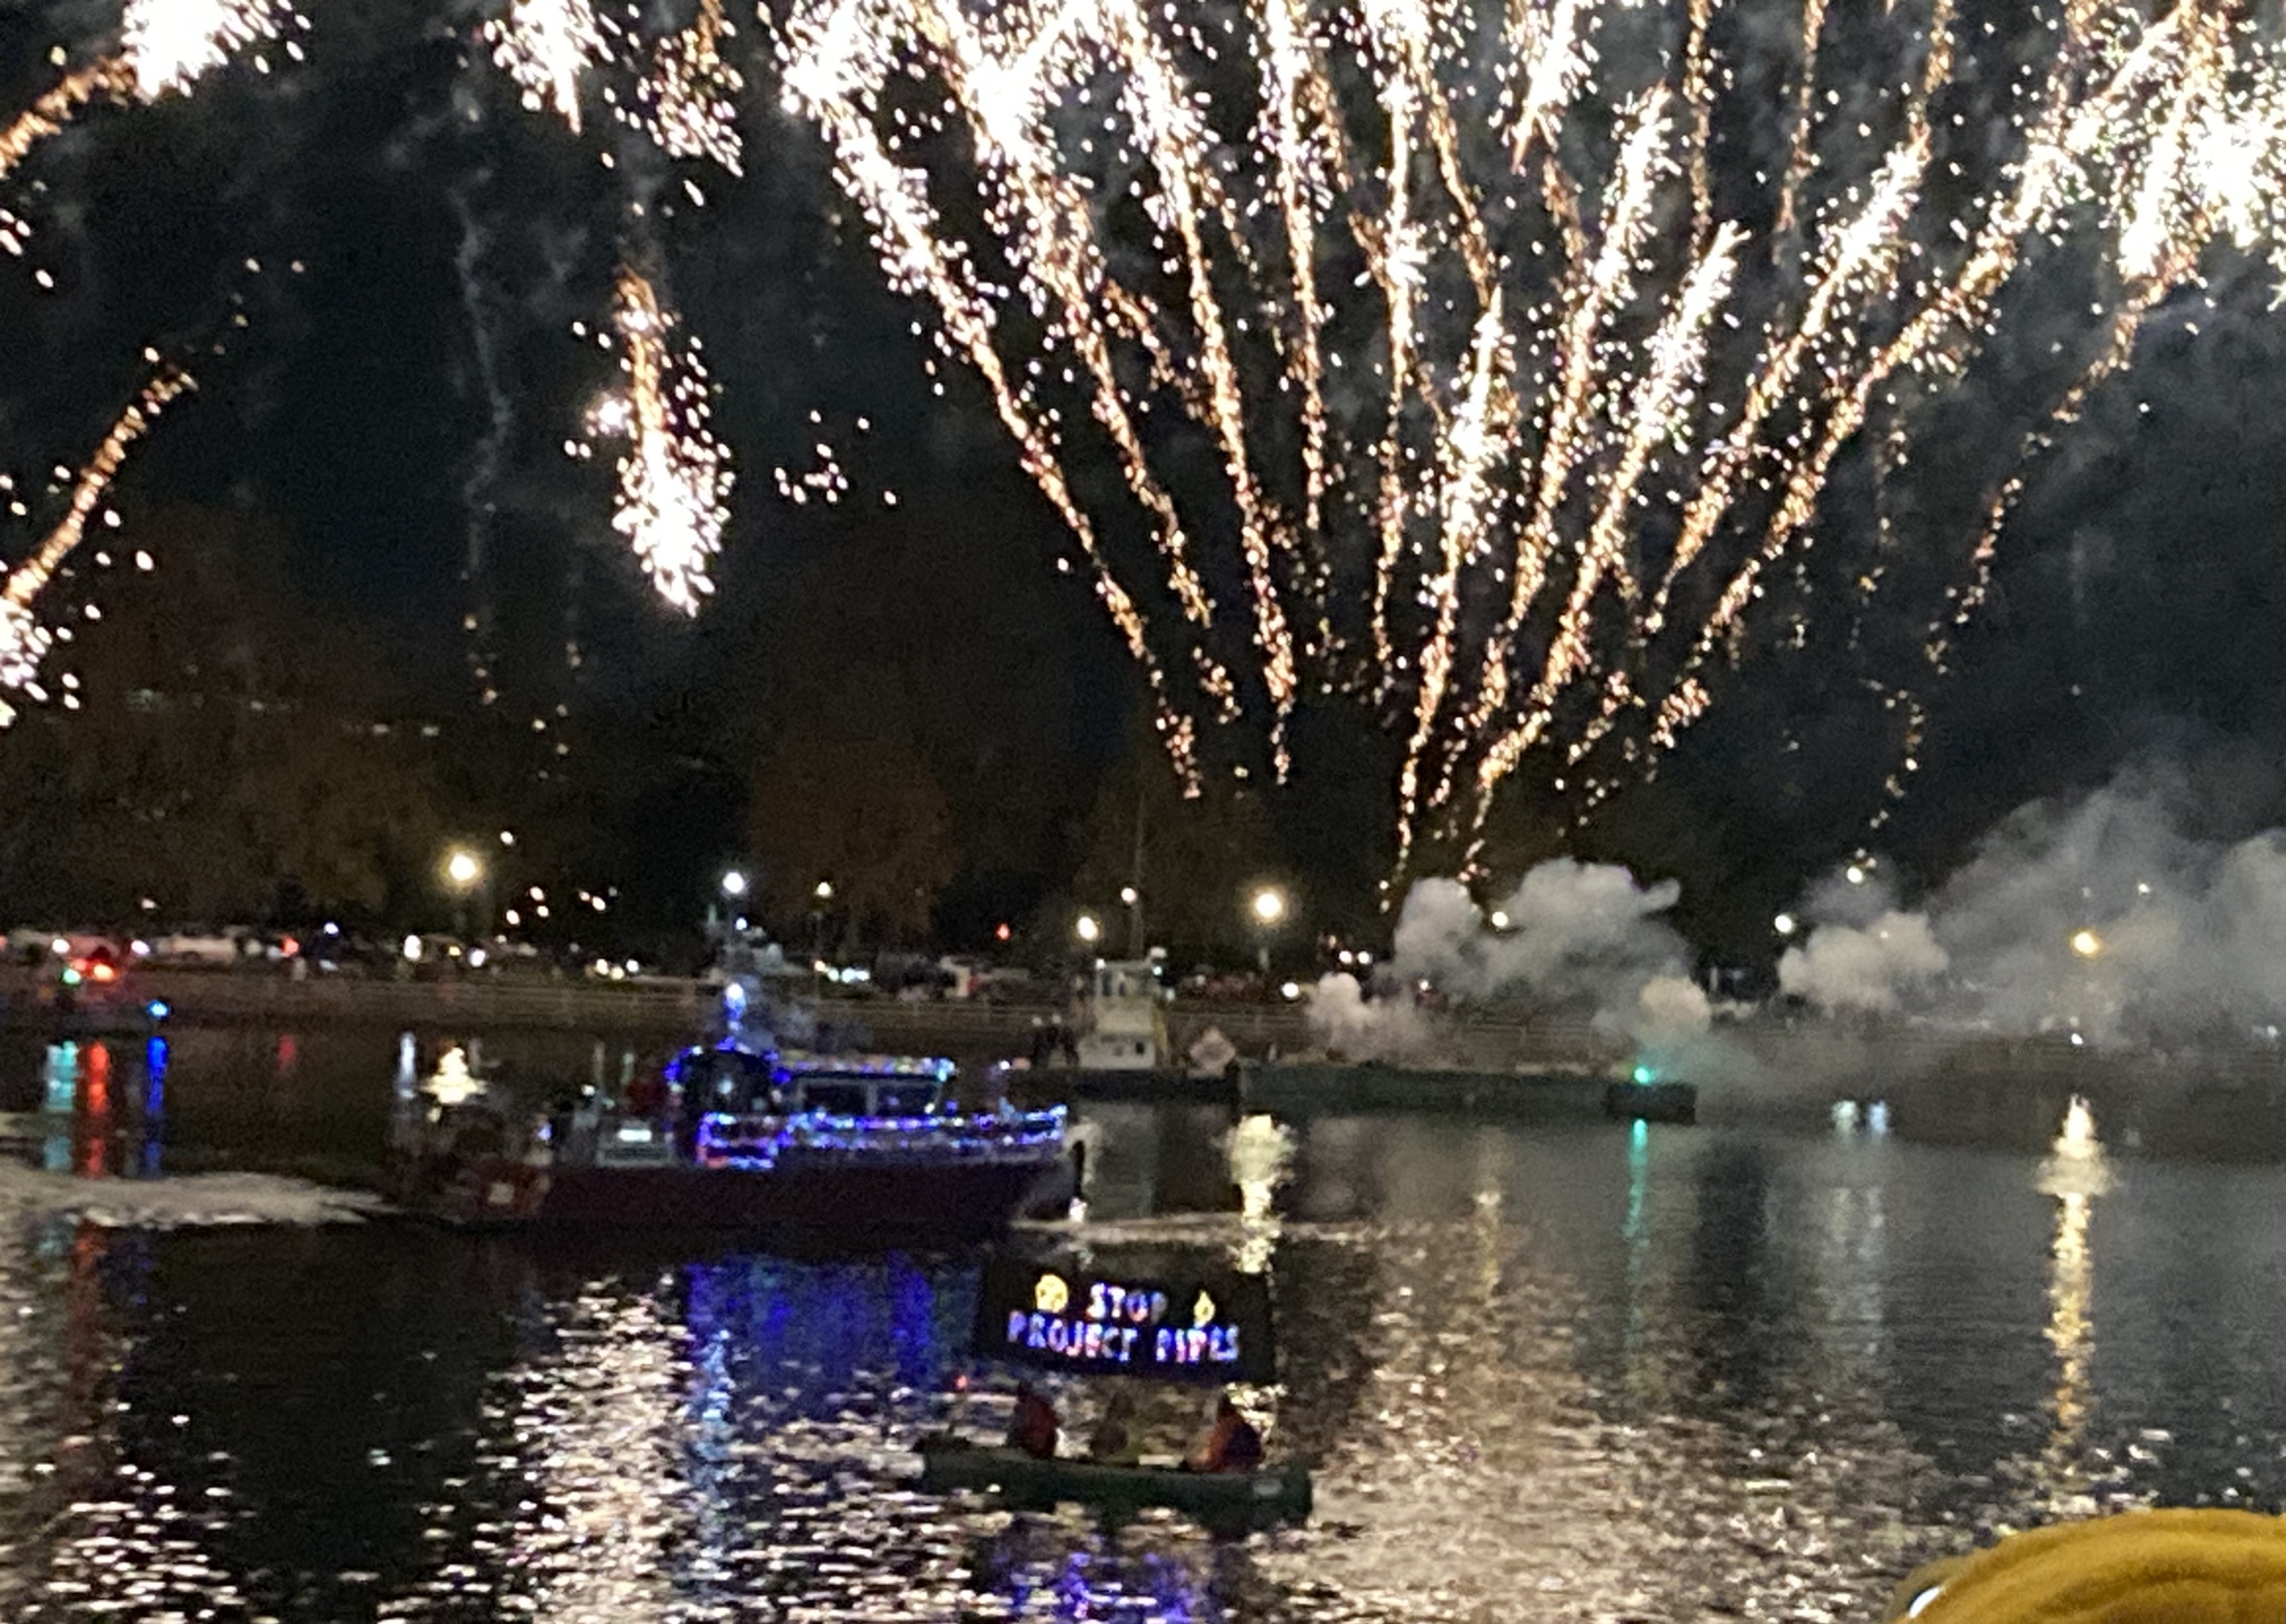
<point x="1574" y="931"/>
<point x="1571" y="934"/>
<point x="1848" y="967"/>
<point x="1347" y="1023"/>
<point x="1670" y="1011"/>
<point x="2104" y="915"/>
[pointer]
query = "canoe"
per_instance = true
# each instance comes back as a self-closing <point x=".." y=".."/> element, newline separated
<point x="1234" y="1500"/>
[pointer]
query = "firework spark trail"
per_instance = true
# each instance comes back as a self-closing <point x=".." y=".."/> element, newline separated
<point x="1316" y="312"/>
<point x="1480" y="434"/>
<point x="674" y="479"/>
<point x="1061" y="261"/>
<point x="1286" y="71"/>
<point x="24" y="642"/>
<point x="47" y="116"/>
<point x="1869" y="241"/>
<point x="1176" y="138"/>
<point x="693" y="92"/>
<point x="1395" y="259"/>
<point x="1604" y="285"/>
<point x="1936" y="70"/>
<point x="2039" y="194"/>
<point x="1801" y="153"/>
<point x="1677" y="354"/>
<point x="826" y="64"/>
<point x="546" y="47"/>
<point x="1698" y="95"/>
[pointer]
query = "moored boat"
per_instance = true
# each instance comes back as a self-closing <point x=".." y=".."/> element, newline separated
<point x="838" y="1147"/>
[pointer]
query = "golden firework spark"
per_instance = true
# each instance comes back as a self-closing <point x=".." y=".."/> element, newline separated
<point x="170" y="45"/>
<point x="166" y="45"/>
<point x="546" y="47"/>
<point x="24" y="641"/>
<point x="1436" y="382"/>
<point x="52" y="112"/>
<point x="674" y="479"/>
<point x="693" y="92"/>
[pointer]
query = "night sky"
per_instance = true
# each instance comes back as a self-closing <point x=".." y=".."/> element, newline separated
<point x="408" y="218"/>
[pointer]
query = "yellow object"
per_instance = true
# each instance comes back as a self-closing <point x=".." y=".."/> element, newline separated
<point x="2173" y="1566"/>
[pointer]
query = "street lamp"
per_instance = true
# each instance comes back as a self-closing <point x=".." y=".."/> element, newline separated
<point x="734" y="885"/>
<point x="1088" y="929"/>
<point x="1268" y="908"/>
<point x="463" y="869"/>
<point x="2087" y="943"/>
<point x="820" y="900"/>
<point x="1784" y="924"/>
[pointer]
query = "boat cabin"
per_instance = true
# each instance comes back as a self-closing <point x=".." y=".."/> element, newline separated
<point x="730" y="1080"/>
<point x="737" y="1105"/>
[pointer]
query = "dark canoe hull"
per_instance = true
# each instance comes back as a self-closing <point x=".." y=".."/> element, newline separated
<point x="949" y="1200"/>
<point x="1220" y="1499"/>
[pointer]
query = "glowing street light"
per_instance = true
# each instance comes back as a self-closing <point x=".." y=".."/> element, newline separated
<point x="462" y="868"/>
<point x="734" y="885"/>
<point x="2087" y="943"/>
<point x="1268" y="907"/>
<point x="1127" y="894"/>
<point x="1499" y="918"/>
<point x="824" y="893"/>
<point x="1785" y="924"/>
<point x="1088" y="929"/>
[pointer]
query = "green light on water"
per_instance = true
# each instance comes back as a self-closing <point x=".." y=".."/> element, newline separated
<point x="1644" y="1074"/>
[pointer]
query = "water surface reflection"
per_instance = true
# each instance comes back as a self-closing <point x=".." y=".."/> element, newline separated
<point x="1566" y="1373"/>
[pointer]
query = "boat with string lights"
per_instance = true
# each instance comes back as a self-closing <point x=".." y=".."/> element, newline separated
<point x="838" y="1146"/>
<point x="738" y="1135"/>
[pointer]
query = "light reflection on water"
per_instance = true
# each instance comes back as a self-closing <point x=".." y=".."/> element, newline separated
<point x="1590" y="1372"/>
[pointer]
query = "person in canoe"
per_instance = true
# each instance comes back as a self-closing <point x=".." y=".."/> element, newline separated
<point x="1033" y="1428"/>
<point x="1230" y="1443"/>
<point x="1113" y="1442"/>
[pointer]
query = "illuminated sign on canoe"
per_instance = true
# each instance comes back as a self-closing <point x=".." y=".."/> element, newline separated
<point x="1052" y="1315"/>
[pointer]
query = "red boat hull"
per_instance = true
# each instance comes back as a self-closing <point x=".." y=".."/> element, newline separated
<point x="944" y="1200"/>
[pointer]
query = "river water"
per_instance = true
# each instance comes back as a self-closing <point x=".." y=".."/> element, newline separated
<point x="1558" y="1373"/>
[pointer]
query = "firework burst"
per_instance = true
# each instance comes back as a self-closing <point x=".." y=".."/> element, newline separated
<point x="547" y="47"/>
<point x="674" y="479"/>
<point x="1486" y="361"/>
<point x="165" y="46"/>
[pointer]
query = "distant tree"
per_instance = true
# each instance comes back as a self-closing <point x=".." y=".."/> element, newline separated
<point x="845" y="795"/>
<point x="228" y="743"/>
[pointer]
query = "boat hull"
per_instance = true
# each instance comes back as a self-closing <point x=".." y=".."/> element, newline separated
<point x="904" y="1200"/>
<point x="1221" y="1501"/>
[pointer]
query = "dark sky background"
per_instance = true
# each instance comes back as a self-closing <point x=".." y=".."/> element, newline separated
<point x="2135" y="607"/>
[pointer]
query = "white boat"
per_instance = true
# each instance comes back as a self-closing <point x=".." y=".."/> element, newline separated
<point x="1122" y="1017"/>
